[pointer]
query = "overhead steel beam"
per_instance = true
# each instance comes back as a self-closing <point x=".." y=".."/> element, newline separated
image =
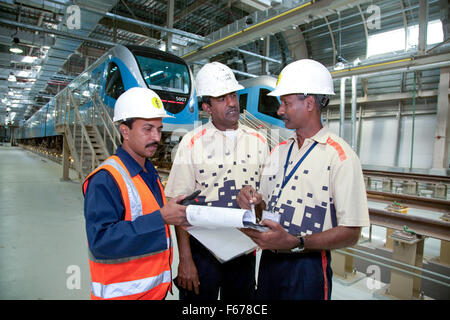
<point x="387" y="97"/>
<point x="55" y="32"/>
<point x="400" y="65"/>
<point x="284" y="20"/>
<point x="154" y="26"/>
<point x="257" y="55"/>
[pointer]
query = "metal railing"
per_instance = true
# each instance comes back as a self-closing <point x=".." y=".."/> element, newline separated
<point x="405" y="265"/>
<point x="89" y="129"/>
<point x="273" y="135"/>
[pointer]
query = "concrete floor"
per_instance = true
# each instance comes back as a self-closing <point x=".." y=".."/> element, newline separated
<point x="43" y="252"/>
<point x="41" y="229"/>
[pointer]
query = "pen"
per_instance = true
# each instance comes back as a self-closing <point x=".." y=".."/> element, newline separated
<point x="252" y="205"/>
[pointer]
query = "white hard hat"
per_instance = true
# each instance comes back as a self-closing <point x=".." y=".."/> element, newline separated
<point x="139" y="102"/>
<point x="216" y="79"/>
<point x="304" y="76"/>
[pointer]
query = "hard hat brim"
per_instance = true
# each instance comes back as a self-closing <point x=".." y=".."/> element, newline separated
<point x="229" y="90"/>
<point x="279" y="93"/>
<point x="140" y="117"/>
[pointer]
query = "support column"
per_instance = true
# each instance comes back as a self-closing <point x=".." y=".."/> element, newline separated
<point x="342" y="109"/>
<point x="410" y="251"/>
<point x="343" y="268"/>
<point x="423" y="26"/>
<point x="442" y="135"/>
<point x="444" y="257"/>
<point x="354" y="96"/>
<point x="170" y="13"/>
<point x="398" y="134"/>
<point x="65" y="159"/>
<point x="265" y="63"/>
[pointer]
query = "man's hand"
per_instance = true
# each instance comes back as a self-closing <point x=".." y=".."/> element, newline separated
<point x="275" y="239"/>
<point x="188" y="275"/>
<point x="248" y="196"/>
<point x="174" y="213"/>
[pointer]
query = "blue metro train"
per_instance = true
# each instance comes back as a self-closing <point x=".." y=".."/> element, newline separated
<point x="124" y="67"/>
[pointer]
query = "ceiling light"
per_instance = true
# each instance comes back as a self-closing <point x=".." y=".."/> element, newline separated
<point x="357" y="61"/>
<point x="15" y="46"/>
<point x="12" y="77"/>
<point x="24" y="74"/>
<point x="339" y="66"/>
<point x="29" y="59"/>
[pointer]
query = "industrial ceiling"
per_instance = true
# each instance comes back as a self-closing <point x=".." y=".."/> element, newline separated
<point x="253" y="37"/>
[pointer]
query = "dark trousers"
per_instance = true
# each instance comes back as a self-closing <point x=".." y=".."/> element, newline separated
<point x="301" y="276"/>
<point x="235" y="279"/>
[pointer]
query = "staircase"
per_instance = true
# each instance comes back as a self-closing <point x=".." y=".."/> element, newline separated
<point x="91" y="135"/>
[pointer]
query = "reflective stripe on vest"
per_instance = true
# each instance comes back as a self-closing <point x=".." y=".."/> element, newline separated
<point x="120" y="289"/>
<point x="143" y="276"/>
<point x="133" y="194"/>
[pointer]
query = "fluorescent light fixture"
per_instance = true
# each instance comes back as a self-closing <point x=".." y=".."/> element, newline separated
<point x="24" y="74"/>
<point x="339" y="66"/>
<point x="15" y="46"/>
<point x="12" y="78"/>
<point x="15" y="50"/>
<point x="29" y="59"/>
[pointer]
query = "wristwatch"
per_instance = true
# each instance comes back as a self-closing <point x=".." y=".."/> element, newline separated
<point x="301" y="245"/>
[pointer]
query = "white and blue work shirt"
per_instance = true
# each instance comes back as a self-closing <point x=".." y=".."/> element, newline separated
<point x="218" y="164"/>
<point x="326" y="190"/>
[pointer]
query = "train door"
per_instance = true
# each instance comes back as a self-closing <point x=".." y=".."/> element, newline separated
<point x="243" y="96"/>
<point x="114" y="86"/>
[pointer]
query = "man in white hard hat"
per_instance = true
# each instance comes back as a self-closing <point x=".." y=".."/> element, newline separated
<point x="127" y="216"/>
<point x="316" y="198"/>
<point x="218" y="158"/>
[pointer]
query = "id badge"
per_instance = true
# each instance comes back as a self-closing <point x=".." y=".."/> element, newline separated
<point x="270" y="216"/>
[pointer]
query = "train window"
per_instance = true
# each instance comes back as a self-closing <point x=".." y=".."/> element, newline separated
<point x="114" y="83"/>
<point x="267" y="104"/>
<point x="164" y="75"/>
<point x="243" y="102"/>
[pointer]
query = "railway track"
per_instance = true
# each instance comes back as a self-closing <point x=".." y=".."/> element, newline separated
<point x="408" y="176"/>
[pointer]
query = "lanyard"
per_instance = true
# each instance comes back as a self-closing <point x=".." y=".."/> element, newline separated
<point x="289" y="176"/>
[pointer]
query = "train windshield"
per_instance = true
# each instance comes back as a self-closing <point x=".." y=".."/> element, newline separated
<point x="164" y="75"/>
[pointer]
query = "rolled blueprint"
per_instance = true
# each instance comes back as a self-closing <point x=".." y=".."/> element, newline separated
<point x="202" y="216"/>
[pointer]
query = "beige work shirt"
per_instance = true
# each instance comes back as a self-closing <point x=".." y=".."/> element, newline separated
<point x="326" y="190"/>
<point x="218" y="164"/>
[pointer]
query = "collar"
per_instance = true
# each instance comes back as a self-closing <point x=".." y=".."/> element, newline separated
<point x="321" y="136"/>
<point x="132" y="166"/>
<point x="210" y="127"/>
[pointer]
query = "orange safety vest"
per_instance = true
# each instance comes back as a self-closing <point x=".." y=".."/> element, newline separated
<point x="147" y="276"/>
